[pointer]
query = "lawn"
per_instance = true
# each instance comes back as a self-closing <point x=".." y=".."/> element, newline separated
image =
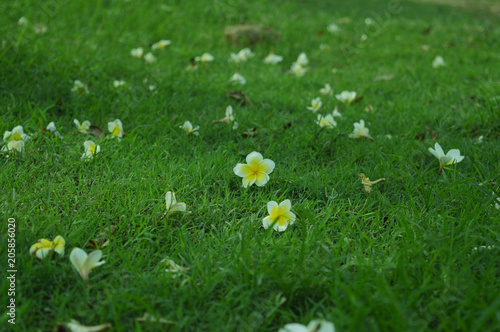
<point x="419" y="252"/>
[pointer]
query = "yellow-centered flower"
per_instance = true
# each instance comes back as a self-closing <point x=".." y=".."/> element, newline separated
<point x="256" y="170"/>
<point x="44" y="247"/>
<point x="280" y="215"/>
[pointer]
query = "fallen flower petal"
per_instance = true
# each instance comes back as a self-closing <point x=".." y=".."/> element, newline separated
<point x="84" y="263"/>
<point x="367" y="184"/>
<point x="44" y="247"/>
<point x="280" y="215"/>
<point x="256" y="170"/>
<point x="360" y="131"/>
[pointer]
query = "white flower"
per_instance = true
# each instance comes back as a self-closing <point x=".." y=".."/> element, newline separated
<point x="23" y="22"/>
<point x="172" y="206"/>
<point x="327" y="90"/>
<point x="273" y="59"/>
<point x="315" y="105"/>
<point x="326" y="122"/>
<point x="188" y="127"/>
<point x="336" y="113"/>
<point x="256" y="170"/>
<point x="116" y="128"/>
<point x="333" y="28"/>
<point x="363" y="37"/>
<point x="84" y="263"/>
<point x="438" y="62"/>
<point x="242" y="55"/>
<point x="369" y="21"/>
<point x="44" y="247"/>
<point x="346" y="97"/>
<point x="118" y="84"/>
<point x="204" y="58"/>
<point x="302" y="59"/>
<point x="52" y="128"/>
<point x="452" y="157"/>
<point x="90" y="150"/>
<point x="298" y="69"/>
<point x="79" y="87"/>
<point x="360" y="131"/>
<point x="279" y="216"/>
<point x="84" y="127"/>
<point x="137" y="52"/>
<point x="149" y="58"/>
<point x="160" y="45"/>
<point x="14" y="145"/>
<point x="313" y="326"/>
<point x="238" y="79"/>
<point x="17" y="134"/>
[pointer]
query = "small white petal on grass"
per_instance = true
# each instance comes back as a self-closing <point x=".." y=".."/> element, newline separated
<point x="188" y="128"/>
<point x="315" y="105"/>
<point x="237" y="78"/>
<point x="90" y="150"/>
<point x="438" y="62"/>
<point x="326" y="90"/>
<point x="204" y="58"/>
<point x="150" y="58"/>
<point x="346" y="97"/>
<point x="161" y="44"/>
<point x="360" y="131"/>
<point x="80" y="87"/>
<point x="172" y="206"/>
<point x="75" y="326"/>
<point x="83" y="127"/>
<point x="273" y="59"/>
<point x="116" y="128"/>
<point x="313" y="326"/>
<point x="137" y="52"/>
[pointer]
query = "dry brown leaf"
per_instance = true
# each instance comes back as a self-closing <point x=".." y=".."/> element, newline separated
<point x="249" y="34"/>
<point x="249" y="132"/>
<point x="239" y="96"/>
<point x="96" y="131"/>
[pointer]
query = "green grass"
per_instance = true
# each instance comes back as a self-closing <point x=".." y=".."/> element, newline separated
<point x="398" y="259"/>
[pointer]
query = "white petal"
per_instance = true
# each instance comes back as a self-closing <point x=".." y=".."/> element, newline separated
<point x="254" y="158"/>
<point x="271" y="206"/>
<point x="78" y="257"/>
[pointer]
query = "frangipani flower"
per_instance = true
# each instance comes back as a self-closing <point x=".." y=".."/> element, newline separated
<point x="326" y="122"/>
<point x="452" y="157"/>
<point x="84" y="127"/>
<point x="161" y="44"/>
<point x="241" y="56"/>
<point x="44" y="247"/>
<point x="327" y="90"/>
<point x="333" y="28"/>
<point x="172" y="206"/>
<point x="279" y="216"/>
<point x="137" y="52"/>
<point x="298" y="69"/>
<point x="52" y="128"/>
<point x="17" y="134"/>
<point x="336" y="113"/>
<point x="173" y="268"/>
<point x="79" y="87"/>
<point x="313" y="326"/>
<point x="84" y="263"/>
<point x="90" y="150"/>
<point x="346" y="97"/>
<point x="238" y="78"/>
<point x="149" y="58"/>
<point x="117" y="83"/>
<point x="188" y="127"/>
<point x="273" y="59"/>
<point x="302" y="59"/>
<point x="367" y="184"/>
<point x="438" y="62"/>
<point x="315" y="105"/>
<point x="360" y="131"/>
<point x="204" y="58"/>
<point x="14" y="145"/>
<point x="116" y="128"/>
<point x="229" y="118"/>
<point x="75" y="326"/>
<point x="256" y="170"/>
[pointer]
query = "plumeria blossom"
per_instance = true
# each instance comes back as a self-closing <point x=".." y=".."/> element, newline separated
<point x="44" y="248"/>
<point x="188" y="127"/>
<point x="367" y="184"/>
<point x="238" y="79"/>
<point x="229" y="118"/>
<point x="360" y="131"/>
<point x="137" y="52"/>
<point x="241" y="56"/>
<point x="80" y="87"/>
<point x="452" y="157"/>
<point x="119" y="83"/>
<point x="75" y="326"/>
<point x="149" y="58"/>
<point x="173" y="267"/>
<point x="315" y="105"/>
<point x="84" y="263"/>
<point x="302" y="59"/>
<point x="90" y="150"/>
<point x="336" y="113"/>
<point x="256" y="170"/>
<point x="438" y="62"/>
<point x="273" y="59"/>
<point x="116" y="128"/>
<point x="327" y="90"/>
<point x="297" y="69"/>
<point x="346" y="97"/>
<point x="161" y="44"/>
<point x="84" y="127"/>
<point x="326" y="122"/>
<point x="17" y="134"/>
<point x="333" y="28"/>
<point x="52" y="128"/>
<point x="313" y="326"/>
<point x="279" y="216"/>
<point x="204" y="58"/>
<point x="14" y="146"/>
<point x="172" y="206"/>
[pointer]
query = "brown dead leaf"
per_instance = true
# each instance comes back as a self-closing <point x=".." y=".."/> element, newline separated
<point x="433" y="134"/>
<point x="427" y="30"/>
<point x="357" y="100"/>
<point x="239" y="96"/>
<point x="249" y="34"/>
<point x="102" y="240"/>
<point x="250" y="132"/>
<point x="96" y="131"/>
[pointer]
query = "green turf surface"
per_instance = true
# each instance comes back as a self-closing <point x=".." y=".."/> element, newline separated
<point x="401" y="258"/>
